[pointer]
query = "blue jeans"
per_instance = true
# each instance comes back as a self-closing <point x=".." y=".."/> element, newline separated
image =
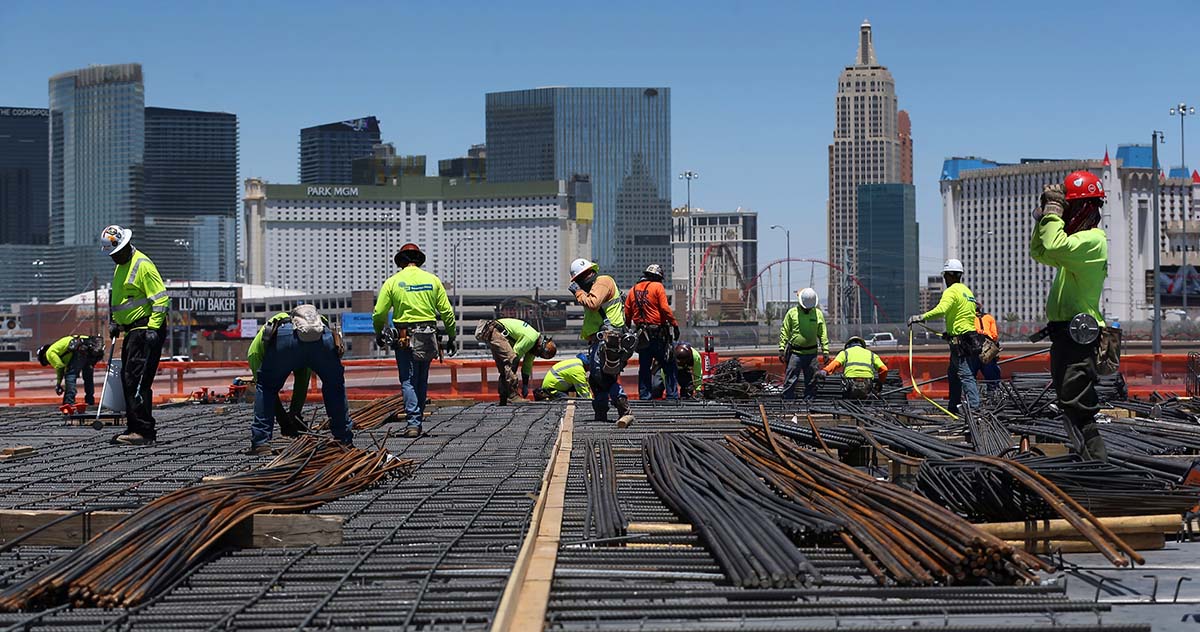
<point x="991" y="375"/>
<point x="414" y="381"/>
<point x="962" y="380"/>
<point x="798" y="364"/>
<point x="79" y="366"/>
<point x="285" y="355"/>
<point x="658" y="349"/>
<point x="606" y="389"/>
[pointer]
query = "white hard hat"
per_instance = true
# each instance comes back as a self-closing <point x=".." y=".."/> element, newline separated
<point x="952" y="265"/>
<point x="114" y="238"/>
<point x="654" y="269"/>
<point x="579" y="266"/>
<point x="808" y="298"/>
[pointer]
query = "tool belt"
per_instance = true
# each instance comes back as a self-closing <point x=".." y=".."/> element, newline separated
<point x="137" y="324"/>
<point x="990" y="350"/>
<point x="967" y="345"/>
<point x="616" y="347"/>
<point x="647" y="333"/>
<point x="1085" y="330"/>
<point x="405" y="332"/>
<point x="272" y="328"/>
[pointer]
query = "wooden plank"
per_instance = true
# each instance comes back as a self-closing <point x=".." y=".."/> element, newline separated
<point x="1139" y="541"/>
<point x="523" y="604"/>
<point x="1162" y="523"/>
<point x="17" y="452"/>
<point x="261" y="531"/>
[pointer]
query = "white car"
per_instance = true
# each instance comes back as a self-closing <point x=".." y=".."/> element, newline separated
<point x="882" y="339"/>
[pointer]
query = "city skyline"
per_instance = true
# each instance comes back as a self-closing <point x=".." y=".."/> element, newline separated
<point x="752" y="115"/>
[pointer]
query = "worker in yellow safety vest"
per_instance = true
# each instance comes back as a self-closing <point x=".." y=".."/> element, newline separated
<point x="568" y="376"/>
<point x="604" y="330"/>
<point x="138" y="308"/>
<point x="957" y="308"/>
<point x="861" y="368"/>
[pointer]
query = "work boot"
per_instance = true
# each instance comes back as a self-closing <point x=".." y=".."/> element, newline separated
<point x="1093" y="443"/>
<point x="261" y="449"/>
<point x="132" y="438"/>
<point x="600" y="414"/>
<point x="626" y="417"/>
<point x="412" y="432"/>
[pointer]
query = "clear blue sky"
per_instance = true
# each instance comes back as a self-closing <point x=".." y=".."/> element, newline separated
<point x="752" y="82"/>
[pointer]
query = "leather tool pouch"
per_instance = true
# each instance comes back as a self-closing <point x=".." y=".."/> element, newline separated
<point x="424" y="341"/>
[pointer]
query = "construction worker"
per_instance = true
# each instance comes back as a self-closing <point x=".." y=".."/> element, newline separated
<point x="138" y="307"/>
<point x="73" y="357"/>
<point x="514" y="344"/>
<point x="647" y="308"/>
<point x="802" y="336"/>
<point x="689" y="367"/>
<point x="568" y="376"/>
<point x="957" y="308"/>
<point x="416" y="300"/>
<point x="1067" y="236"/>
<point x="861" y="368"/>
<point x="291" y="421"/>
<point x="985" y="325"/>
<point x="604" y="331"/>
<point x="299" y="340"/>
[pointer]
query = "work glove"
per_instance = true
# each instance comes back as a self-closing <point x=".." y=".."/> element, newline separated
<point x="824" y="359"/>
<point x="525" y="386"/>
<point x="573" y="287"/>
<point x="1052" y="202"/>
<point x="914" y="319"/>
<point x="822" y="374"/>
<point x="783" y="358"/>
<point x="451" y="347"/>
<point x="58" y="389"/>
<point x="114" y="331"/>
<point x="153" y="336"/>
<point x="381" y="341"/>
<point x="675" y="331"/>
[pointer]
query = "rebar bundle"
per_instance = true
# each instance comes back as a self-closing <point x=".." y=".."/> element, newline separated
<point x="895" y="533"/>
<point x="378" y="412"/>
<point x="740" y="519"/>
<point x="604" y="518"/>
<point x="155" y="546"/>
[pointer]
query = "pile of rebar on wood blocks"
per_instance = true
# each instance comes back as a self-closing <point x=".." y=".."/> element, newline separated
<point x="157" y="545"/>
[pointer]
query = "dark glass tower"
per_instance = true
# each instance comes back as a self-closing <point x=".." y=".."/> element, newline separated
<point x="327" y="152"/>
<point x="621" y="137"/>
<point x="97" y="143"/>
<point x="887" y="251"/>
<point x="191" y="193"/>
<point x="24" y="175"/>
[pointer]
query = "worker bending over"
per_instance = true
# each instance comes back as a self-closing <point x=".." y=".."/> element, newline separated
<point x="514" y="343"/>
<point x="1067" y="236"/>
<point x="604" y="331"/>
<point x="73" y="357"/>
<point x="300" y="339"/>
<point x="138" y="307"/>
<point x="291" y="421"/>
<point x="567" y="377"/>
<point x="861" y="368"/>
<point x="688" y="366"/>
<point x="647" y="308"/>
<point x="957" y="308"/>
<point x="802" y="336"/>
<point x="416" y="299"/>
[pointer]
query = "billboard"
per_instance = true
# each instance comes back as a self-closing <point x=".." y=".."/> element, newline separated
<point x="206" y="307"/>
<point x="357" y="323"/>
<point x="1171" y="283"/>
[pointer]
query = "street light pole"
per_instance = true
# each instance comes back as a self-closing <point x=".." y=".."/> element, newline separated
<point x="37" y="274"/>
<point x="187" y="249"/>
<point x="788" y="235"/>
<point x="454" y="280"/>
<point x="690" y="175"/>
<point x="1183" y="111"/>
<point x="1156" y="137"/>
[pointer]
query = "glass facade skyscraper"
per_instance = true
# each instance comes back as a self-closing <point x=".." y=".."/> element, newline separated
<point x="97" y="143"/>
<point x="327" y="152"/>
<point x="888" y="251"/>
<point x="620" y="137"/>
<point x="191" y="193"/>
<point x="24" y="175"/>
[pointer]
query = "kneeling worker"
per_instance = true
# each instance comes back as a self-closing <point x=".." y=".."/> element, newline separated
<point x="862" y="369"/>
<point x="689" y="367"/>
<point x="73" y="357"/>
<point x="514" y="343"/>
<point x="291" y="421"/>
<point x="302" y="339"/>
<point x="568" y="376"/>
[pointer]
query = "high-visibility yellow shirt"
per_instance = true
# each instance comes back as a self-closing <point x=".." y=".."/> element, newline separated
<point x="565" y="375"/>
<point x="597" y="309"/>
<point x="58" y="356"/>
<point x="804" y="331"/>
<point x="1082" y="262"/>
<point x="138" y="292"/>
<point x="858" y="362"/>
<point x="524" y="339"/>
<point x="413" y="295"/>
<point x="957" y="307"/>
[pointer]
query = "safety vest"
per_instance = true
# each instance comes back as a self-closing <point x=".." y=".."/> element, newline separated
<point x="612" y="310"/>
<point x="859" y="362"/>
<point x="566" y="375"/>
<point x="138" y="292"/>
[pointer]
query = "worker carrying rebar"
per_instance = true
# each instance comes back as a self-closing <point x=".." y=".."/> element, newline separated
<point x="514" y="344"/>
<point x="566" y="377"/>
<point x="291" y="420"/>
<point x="647" y="309"/>
<point x="609" y="344"/>
<point x="689" y="367"/>
<point x="138" y="308"/>
<point x="862" y="370"/>
<point x="1067" y="236"/>
<point x="300" y="339"/>
<point x="801" y="338"/>
<point x="989" y="357"/>
<point x="73" y="357"/>
<point x="957" y="308"/>
<point x="416" y="300"/>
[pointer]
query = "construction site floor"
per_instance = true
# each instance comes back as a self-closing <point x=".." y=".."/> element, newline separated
<point x="435" y="551"/>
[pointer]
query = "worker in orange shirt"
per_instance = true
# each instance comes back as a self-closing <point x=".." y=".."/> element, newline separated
<point x="646" y="306"/>
<point x="985" y="325"/>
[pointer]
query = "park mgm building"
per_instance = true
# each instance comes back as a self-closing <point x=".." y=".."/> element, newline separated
<point x="519" y="237"/>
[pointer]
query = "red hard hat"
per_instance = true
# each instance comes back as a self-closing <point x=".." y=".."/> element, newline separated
<point x="1083" y="184"/>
